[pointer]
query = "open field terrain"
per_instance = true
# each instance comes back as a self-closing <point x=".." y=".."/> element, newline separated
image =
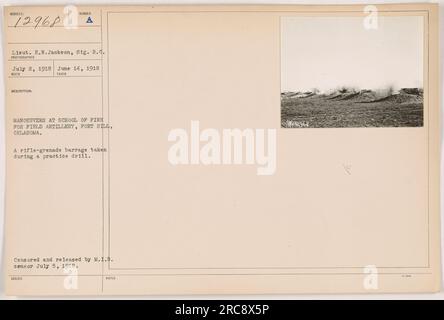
<point x="351" y="108"/>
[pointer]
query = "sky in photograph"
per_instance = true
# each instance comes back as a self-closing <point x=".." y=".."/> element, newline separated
<point x="330" y="52"/>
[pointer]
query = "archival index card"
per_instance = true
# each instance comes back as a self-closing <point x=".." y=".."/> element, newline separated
<point x="222" y="149"/>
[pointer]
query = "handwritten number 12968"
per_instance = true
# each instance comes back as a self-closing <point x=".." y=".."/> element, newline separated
<point x="38" y="21"/>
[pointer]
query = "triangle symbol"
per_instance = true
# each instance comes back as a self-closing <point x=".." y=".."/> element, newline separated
<point x="89" y="20"/>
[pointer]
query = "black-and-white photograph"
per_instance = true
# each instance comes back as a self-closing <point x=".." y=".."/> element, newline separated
<point x="338" y="72"/>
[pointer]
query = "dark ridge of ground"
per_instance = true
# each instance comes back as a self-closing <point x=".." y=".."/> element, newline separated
<point x="364" y="108"/>
<point x="401" y="98"/>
